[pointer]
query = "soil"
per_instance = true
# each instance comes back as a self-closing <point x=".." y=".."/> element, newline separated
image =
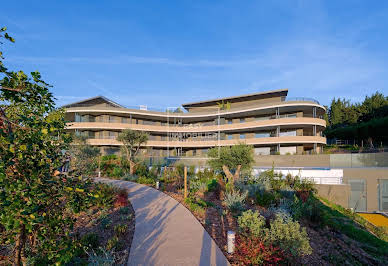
<point x="91" y="222"/>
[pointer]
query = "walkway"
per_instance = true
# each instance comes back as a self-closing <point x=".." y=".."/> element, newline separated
<point x="166" y="233"/>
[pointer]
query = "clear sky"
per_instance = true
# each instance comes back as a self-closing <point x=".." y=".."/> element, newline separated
<point x="165" y="53"/>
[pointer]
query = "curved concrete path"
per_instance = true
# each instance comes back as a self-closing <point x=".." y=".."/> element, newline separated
<point x="166" y="233"/>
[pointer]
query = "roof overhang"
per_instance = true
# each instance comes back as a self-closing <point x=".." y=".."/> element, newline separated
<point x="240" y="98"/>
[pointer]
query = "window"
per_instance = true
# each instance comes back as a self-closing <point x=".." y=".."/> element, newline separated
<point x="242" y="120"/>
<point x="112" y="119"/>
<point x="124" y="120"/>
<point x="242" y="136"/>
<point x="112" y="134"/>
<point x="230" y="121"/>
<point x="262" y="135"/>
<point x="262" y="118"/>
<point x="288" y="133"/>
<point x="230" y="136"/>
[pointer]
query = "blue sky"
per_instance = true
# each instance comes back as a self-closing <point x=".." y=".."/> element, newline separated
<point x="165" y="53"/>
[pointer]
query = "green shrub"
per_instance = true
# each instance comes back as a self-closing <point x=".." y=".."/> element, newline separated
<point x="205" y="175"/>
<point x="141" y="170"/>
<point x="112" y="243"/>
<point x="101" y="258"/>
<point x="117" y="172"/>
<point x="105" y="222"/>
<point x="145" y="180"/>
<point x="283" y="232"/>
<point x="266" y="198"/>
<point x="124" y="210"/>
<point x="251" y="224"/>
<point x="121" y="229"/>
<point x="198" y="185"/>
<point x="289" y="236"/>
<point x="196" y="207"/>
<point x="212" y="185"/>
<point x="89" y="240"/>
<point x="104" y="195"/>
<point x="234" y="200"/>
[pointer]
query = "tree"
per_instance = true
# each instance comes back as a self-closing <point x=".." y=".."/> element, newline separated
<point x="83" y="156"/>
<point x="236" y="158"/>
<point x="132" y="141"/>
<point x="32" y="196"/>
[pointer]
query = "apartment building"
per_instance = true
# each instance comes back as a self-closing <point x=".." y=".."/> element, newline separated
<point x="271" y="122"/>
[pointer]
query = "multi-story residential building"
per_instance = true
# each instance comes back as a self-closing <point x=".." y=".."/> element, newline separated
<point x="267" y="120"/>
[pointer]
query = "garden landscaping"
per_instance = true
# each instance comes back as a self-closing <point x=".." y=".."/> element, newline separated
<point x="277" y="219"/>
<point x="102" y="228"/>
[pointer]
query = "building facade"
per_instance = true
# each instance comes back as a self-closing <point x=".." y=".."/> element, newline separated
<point x="267" y="120"/>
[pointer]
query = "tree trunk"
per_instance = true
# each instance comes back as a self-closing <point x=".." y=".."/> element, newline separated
<point x="232" y="178"/>
<point x="19" y="247"/>
<point x="131" y="167"/>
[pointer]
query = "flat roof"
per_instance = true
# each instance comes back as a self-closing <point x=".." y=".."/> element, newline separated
<point x="257" y="95"/>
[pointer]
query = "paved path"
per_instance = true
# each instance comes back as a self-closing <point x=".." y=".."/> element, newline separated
<point x="166" y="233"/>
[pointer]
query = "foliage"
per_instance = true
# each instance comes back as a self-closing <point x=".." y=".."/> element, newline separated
<point x="234" y="200"/>
<point x="195" y="206"/>
<point x="132" y="141"/>
<point x="359" y="120"/>
<point x="283" y="232"/>
<point x="33" y="198"/>
<point x="121" y="229"/>
<point x="198" y="186"/>
<point x="231" y="156"/>
<point x="84" y="157"/>
<point x="90" y="240"/>
<point x="146" y="180"/>
<point x="224" y="105"/>
<point x="101" y="258"/>
<point x="112" y="243"/>
<point x="267" y="198"/>
<point x="212" y="185"/>
<point x="289" y="236"/>
<point x="253" y="251"/>
<point x="251" y="224"/>
<point x="205" y="175"/>
<point x="121" y="199"/>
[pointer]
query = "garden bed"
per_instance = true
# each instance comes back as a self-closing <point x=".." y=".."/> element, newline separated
<point x="330" y="246"/>
<point x="102" y="231"/>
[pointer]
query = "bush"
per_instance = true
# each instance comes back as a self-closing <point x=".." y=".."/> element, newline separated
<point x="234" y="200"/>
<point x="251" y="224"/>
<point x="198" y="185"/>
<point x="121" y="229"/>
<point x="283" y="232"/>
<point x="121" y="199"/>
<point x="212" y="185"/>
<point x="117" y="172"/>
<point x="289" y="236"/>
<point x="104" y="195"/>
<point x="145" y="180"/>
<point x="267" y="198"/>
<point x="90" y="240"/>
<point x="309" y="209"/>
<point x="253" y="251"/>
<point x="101" y="258"/>
<point x="114" y="244"/>
<point x="195" y="207"/>
<point x="205" y="175"/>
